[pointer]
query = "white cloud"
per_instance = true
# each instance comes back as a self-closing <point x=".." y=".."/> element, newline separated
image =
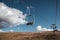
<point x="39" y="28"/>
<point x="11" y="30"/>
<point x="11" y="15"/>
<point x="2" y="31"/>
<point x="7" y="31"/>
<point x="59" y="29"/>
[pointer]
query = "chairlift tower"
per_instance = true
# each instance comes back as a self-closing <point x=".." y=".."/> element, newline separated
<point x="54" y="27"/>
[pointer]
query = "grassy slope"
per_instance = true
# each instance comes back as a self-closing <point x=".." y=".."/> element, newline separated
<point x="29" y="36"/>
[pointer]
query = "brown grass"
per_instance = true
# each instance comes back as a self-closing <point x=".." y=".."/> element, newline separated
<point x="29" y="36"/>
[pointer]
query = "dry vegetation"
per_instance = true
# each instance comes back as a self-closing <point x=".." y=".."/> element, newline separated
<point x="29" y="36"/>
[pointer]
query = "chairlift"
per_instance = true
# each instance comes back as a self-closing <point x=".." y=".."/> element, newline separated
<point x="30" y="17"/>
<point x="54" y="27"/>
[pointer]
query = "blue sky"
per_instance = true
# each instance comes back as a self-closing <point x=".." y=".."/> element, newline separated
<point x="44" y="12"/>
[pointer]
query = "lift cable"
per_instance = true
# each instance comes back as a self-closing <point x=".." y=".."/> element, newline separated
<point x="56" y="13"/>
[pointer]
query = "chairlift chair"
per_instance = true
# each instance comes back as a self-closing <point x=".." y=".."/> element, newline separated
<point x="31" y="22"/>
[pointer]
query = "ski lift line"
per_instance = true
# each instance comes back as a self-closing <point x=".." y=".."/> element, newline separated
<point x="28" y="8"/>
